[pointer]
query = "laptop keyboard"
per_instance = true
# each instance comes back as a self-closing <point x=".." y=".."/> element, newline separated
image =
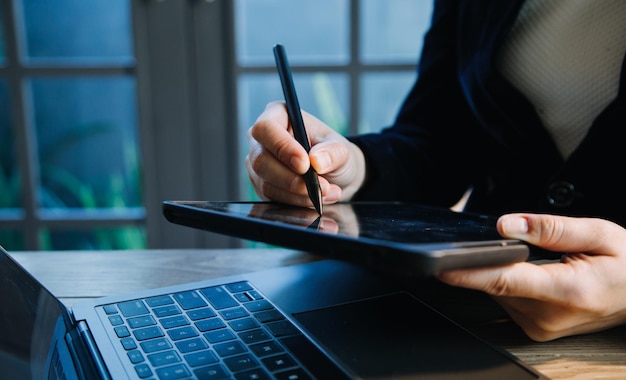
<point x="220" y="332"/>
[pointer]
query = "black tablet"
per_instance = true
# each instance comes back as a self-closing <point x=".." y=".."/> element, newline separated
<point x="405" y="238"/>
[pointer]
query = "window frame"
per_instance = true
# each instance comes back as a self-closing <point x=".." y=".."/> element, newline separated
<point x="187" y="115"/>
<point x="31" y="220"/>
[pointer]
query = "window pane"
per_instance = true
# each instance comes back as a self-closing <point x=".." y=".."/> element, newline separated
<point x="87" y="142"/>
<point x="9" y="179"/>
<point x="127" y="237"/>
<point x="77" y="31"/>
<point x="392" y="30"/>
<point x="382" y="95"/>
<point x="11" y="240"/>
<point x="321" y="94"/>
<point x="313" y="32"/>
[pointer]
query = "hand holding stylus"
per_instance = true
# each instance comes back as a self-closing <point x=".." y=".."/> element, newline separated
<point x="276" y="162"/>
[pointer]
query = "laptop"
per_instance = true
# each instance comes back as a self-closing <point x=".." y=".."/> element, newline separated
<point x="402" y="238"/>
<point x="329" y="319"/>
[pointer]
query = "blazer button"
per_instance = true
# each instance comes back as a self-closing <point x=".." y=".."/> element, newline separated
<point x="561" y="194"/>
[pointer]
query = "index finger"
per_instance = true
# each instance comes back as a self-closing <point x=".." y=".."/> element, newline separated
<point x="520" y="279"/>
<point x="273" y="132"/>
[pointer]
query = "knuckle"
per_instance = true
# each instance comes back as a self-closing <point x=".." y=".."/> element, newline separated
<point x="500" y="286"/>
<point x="256" y="162"/>
<point x="552" y="231"/>
<point x="266" y="191"/>
<point x="294" y="184"/>
<point x="282" y="150"/>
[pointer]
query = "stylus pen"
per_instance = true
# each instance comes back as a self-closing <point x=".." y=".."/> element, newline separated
<point x="297" y="123"/>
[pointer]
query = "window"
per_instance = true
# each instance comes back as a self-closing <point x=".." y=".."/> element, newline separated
<point x="71" y="168"/>
<point x="109" y="107"/>
<point x="353" y="61"/>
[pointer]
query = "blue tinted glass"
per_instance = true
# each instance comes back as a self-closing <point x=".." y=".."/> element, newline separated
<point x="87" y="142"/>
<point x="77" y="31"/>
<point x="313" y="32"/>
<point x="9" y="179"/>
<point x="392" y="30"/>
<point x="11" y="240"/>
<point x="127" y="237"/>
<point x="381" y="97"/>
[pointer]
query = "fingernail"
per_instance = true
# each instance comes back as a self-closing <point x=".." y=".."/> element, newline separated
<point x="514" y="225"/>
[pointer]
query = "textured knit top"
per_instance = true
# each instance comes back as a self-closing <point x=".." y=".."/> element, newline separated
<point x="566" y="56"/>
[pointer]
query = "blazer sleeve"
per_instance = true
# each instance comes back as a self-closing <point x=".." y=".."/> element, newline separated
<point x="433" y="149"/>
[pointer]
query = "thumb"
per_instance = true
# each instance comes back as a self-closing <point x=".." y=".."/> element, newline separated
<point x="559" y="233"/>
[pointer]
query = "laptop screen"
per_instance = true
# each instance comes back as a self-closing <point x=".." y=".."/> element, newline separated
<point x="33" y="327"/>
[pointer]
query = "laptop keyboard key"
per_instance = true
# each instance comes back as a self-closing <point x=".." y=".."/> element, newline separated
<point x="279" y="362"/>
<point x="148" y="333"/>
<point x="219" y="336"/>
<point x="143" y="371"/>
<point x="214" y="372"/>
<point x="293" y="374"/>
<point x="162" y="358"/>
<point x="182" y="333"/>
<point x="110" y="309"/>
<point x="210" y="324"/>
<point x="132" y="308"/>
<point x="241" y="363"/>
<point x="219" y="298"/>
<point x="258" y="305"/>
<point x="237" y="287"/>
<point x="155" y="345"/>
<point x="122" y="331"/>
<point x="165" y="311"/>
<point x="201" y="358"/>
<point x="178" y="371"/>
<point x="189" y="300"/>
<point x="234" y="313"/>
<point x="128" y="343"/>
<point x="243" y="324"/>
<point x="175" y="321"/>
<point x="253" y="374"/>
<point x="116" y="320"/>
<point x="159" y="301"/>
<point x="255" y="295"/>
<point x="229" y="348"/>
<point x="135" y="356"/>
<point x="268" y="316"/>
<point x="254" y="336"/>
<point x="266" y="349"/>
<point x="190" y="345"/>
<point x="198" y="314"/>
<point x="141" y="321"/>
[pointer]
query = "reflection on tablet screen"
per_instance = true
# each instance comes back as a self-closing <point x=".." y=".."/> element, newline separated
<point x="398" y="222"/>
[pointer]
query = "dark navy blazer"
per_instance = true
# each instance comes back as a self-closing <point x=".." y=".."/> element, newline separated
<point x="463" y="125"/>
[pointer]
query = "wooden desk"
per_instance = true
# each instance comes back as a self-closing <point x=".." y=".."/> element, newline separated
<point x="73" y="276"/>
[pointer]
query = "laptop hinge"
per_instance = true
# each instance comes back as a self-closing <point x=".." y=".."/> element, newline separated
<point x="84" y="349"/>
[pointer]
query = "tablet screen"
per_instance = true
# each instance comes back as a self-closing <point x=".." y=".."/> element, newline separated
<point x="396" y="222"/>
<point x="403" y="237"/>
